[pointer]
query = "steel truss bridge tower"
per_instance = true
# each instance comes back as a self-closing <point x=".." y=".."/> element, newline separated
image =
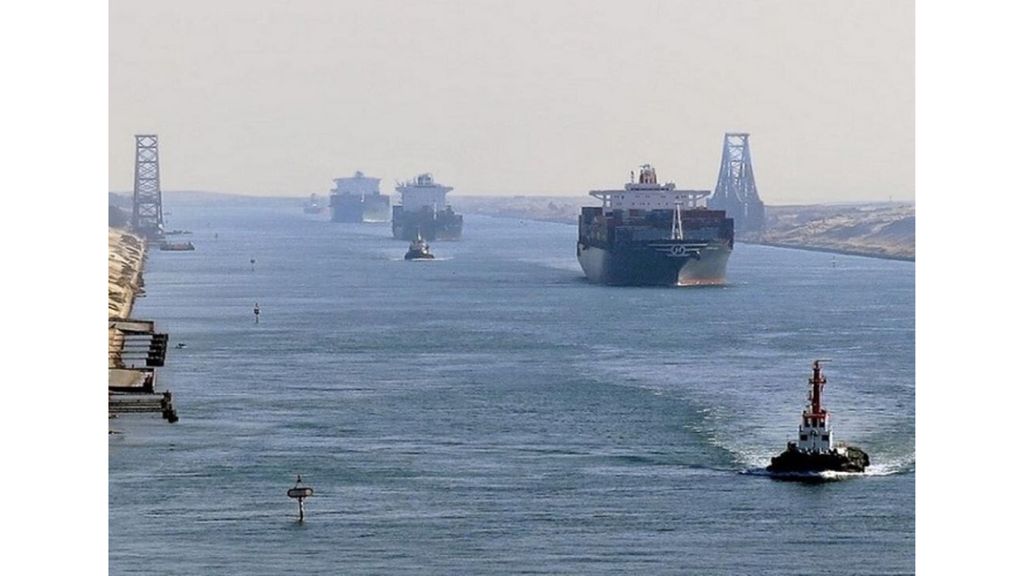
<point x="147" y="207"/>
<point x="736" y="192"/>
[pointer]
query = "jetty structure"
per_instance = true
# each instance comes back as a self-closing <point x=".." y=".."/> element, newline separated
<point x="135" y="347"/>
<point x="816" y="449"/>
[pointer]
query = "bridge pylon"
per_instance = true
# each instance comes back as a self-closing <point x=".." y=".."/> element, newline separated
<point x="736" y="191"/>
<point x="147" y="204"/>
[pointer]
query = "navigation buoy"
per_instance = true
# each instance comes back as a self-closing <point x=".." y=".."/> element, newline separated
<point x="256" y="312"/>
<point x="300" y="493"/>
<point x="252" y="263"/>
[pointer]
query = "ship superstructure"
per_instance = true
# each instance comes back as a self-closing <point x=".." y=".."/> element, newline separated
<point x="358" y="199"/>
<point x="653" y="234"/>
<point x="815" y="434"/>
<point x="424" y="211"/>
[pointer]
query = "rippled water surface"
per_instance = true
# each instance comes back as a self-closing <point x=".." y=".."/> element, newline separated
<point x="492" y="412"/>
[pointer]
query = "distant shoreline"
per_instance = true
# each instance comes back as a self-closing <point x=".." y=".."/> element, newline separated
<point x="811" y="248"/>
<point x="559" y="211"/>
<point x="830" y="250"/>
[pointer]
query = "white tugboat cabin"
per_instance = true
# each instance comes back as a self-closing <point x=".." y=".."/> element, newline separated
<point x="816" y="427"/>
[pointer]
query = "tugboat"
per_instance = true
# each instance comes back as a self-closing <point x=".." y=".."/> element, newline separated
<point x="816" y="451"/>
<point x="419" y="250"/>
<point x="314" y="205"/>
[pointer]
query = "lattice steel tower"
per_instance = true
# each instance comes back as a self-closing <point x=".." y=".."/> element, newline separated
<point x="147" y="208"/>
<point x="736" y="192"/>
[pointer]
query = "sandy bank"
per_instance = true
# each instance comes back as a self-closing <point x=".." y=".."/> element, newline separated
<point x="124" y="271"/>
<point x="126" y="256"/>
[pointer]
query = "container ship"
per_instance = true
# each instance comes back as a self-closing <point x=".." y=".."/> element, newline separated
<point x="424" y="212"/>
<point x="358" y="199"/>
<point x="650" y="234"/>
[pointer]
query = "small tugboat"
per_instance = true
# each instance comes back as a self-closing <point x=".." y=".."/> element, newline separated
<point x="419" y="250"/>
<point x="314" y="205"/>
<point x="816" y="451"/>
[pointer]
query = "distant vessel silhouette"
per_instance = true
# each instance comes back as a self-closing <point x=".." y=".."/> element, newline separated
<point x="358" y="199"/>
<point x="425" y="212"/>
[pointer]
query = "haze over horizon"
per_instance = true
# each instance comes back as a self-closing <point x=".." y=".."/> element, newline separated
<point x="506" y="98"/>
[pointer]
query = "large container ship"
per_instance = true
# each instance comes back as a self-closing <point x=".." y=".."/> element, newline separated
<point x="425" y="212"/>
<point x="358" y="199"/>
<point x="650" y="234"/>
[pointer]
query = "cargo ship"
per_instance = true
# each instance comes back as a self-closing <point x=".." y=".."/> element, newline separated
<point x="358" y="199"/>
<point x="425" y="212"/>
<point x="816" y="450"/>
<point x="651" y="234"/>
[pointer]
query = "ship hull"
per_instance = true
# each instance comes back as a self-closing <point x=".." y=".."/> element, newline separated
<point x="652" y="264"/>
<point x="849" y="459"/>
<point x="426" y="224"/>
<point x="357" y="208"/>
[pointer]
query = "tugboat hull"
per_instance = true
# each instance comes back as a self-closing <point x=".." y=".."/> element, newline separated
<point x="418" y="256"/>
<point x="793" y="461"/>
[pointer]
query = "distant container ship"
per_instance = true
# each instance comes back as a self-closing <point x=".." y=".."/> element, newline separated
<point x="358" y="199"/>
<point x="425" y="212"/>
<point x="650" y="234"/>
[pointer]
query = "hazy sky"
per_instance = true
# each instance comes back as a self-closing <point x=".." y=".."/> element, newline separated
<point x="530" y="97"/>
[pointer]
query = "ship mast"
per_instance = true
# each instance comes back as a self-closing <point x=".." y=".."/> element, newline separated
<point x="677" y="224"/>
<point x="815" y="427"/>
<point x="817" y="382"/>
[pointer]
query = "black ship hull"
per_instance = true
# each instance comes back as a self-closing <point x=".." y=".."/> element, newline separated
<point x="418" y="255"/>
<point x="654" y="247"/>
<point x="660" y="263"/>
<point x="795" y="462"/>
<point x="426" y="224"/>
<point x="360" y="208"/>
